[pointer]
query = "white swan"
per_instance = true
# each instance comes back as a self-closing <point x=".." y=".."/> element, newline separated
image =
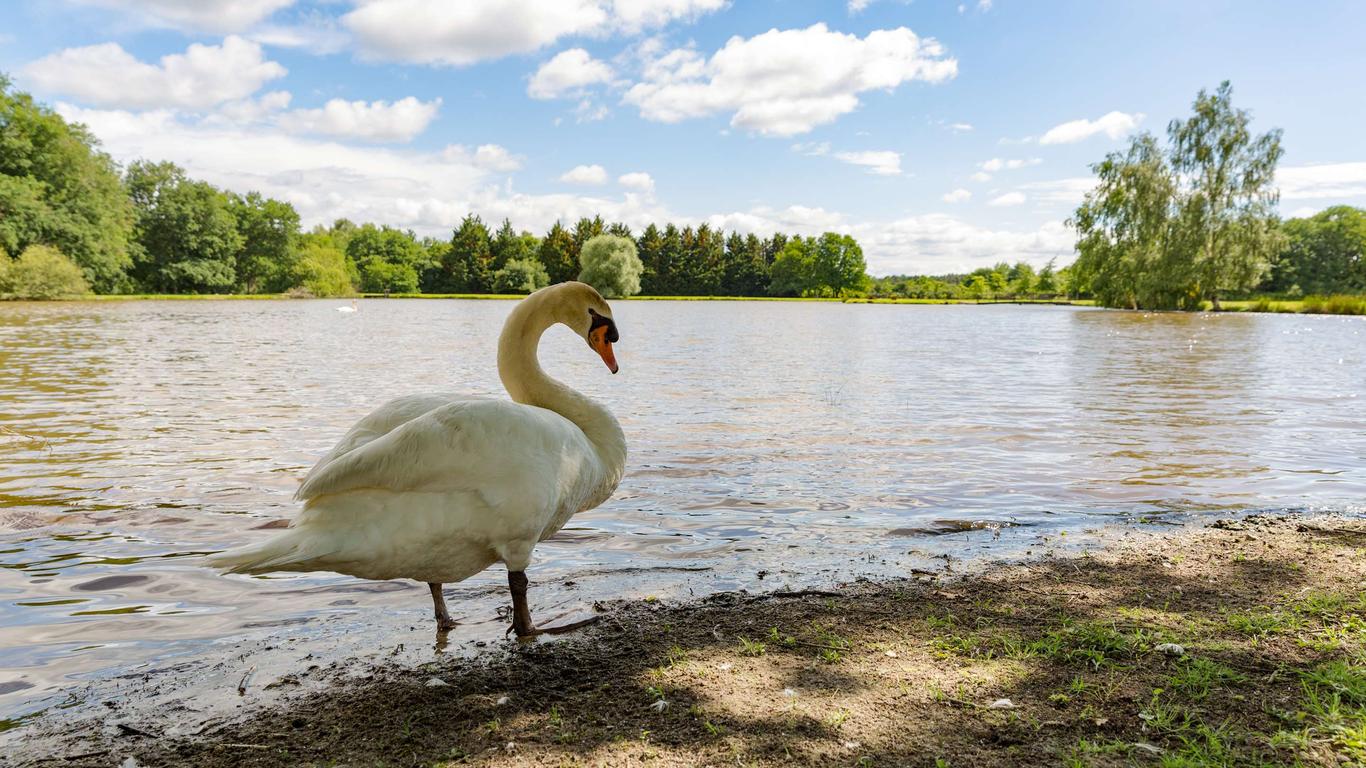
<point x="439" y="487"/>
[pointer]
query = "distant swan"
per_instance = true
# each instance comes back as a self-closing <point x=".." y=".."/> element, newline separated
<point x="439" y="487"/>
<point x="351" y="308"/>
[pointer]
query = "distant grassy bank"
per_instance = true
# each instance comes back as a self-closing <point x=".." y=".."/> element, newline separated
<point x="1309" y="305"/>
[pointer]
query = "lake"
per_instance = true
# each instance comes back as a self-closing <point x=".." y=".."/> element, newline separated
<point x="772" y="443"/>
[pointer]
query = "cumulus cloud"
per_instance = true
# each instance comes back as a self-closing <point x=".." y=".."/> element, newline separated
<point x="592" y="175"/>
<point x="939" y="243"/>
<point x="401" y="120"/>
<point x="324" y="179"/>
<point x="464" y="32"/>
<point x="1329" y="180"/>
<point x="1113" y="124"/>
<point x="879" y="162"/>
<point x="960" y="127"/>
<point x="786" y="82"/>
<point x="568" y="73"/>
<point x="1008" y="199"/>
<point x="997" y="164"/>
<point x="957" y="196"/>
<point x="202" y="76"/>
<point x="215" y="16"/>
<point x="639" y="181"/>
<point x="1067" y="192"/>
<point x="981" y="176"/>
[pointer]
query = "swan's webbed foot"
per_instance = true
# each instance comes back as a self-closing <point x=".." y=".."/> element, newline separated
<point x="521" y="613"/>
<point x="444" y="622"/>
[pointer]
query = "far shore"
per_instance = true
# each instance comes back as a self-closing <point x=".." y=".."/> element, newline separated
<point x="1239" y="642"/>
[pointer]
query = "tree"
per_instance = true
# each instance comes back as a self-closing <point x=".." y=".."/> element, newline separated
<point x="185" y="235"/>
<point x="610" y="264"/>
<point x="468" y="266"/>
<point x="57" y="188"/>
<point x="837" y="266"/>
<point x="520" y="276"/>
<point x="268" y="228"/>
<point x="1047" y="284"/>
<point x="558" y="254"/>
<point x="386" y="259"/>
<point x="508" y="246"/>
<point x="320" y="268"/>
<point x="790" y="274"/>
<point x="1229" y="206"/>
<point x="1168" y="230"/>
<point x="650" y="248"/>
<point x="1021" y="279"/>
<point x="1324" y="253"/>
<point x="41" y="272"/>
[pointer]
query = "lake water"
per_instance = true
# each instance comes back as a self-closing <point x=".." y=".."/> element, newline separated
<point x="811" y="441"/>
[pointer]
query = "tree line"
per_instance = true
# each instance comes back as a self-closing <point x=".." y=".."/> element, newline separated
<point x="150" y="228"/>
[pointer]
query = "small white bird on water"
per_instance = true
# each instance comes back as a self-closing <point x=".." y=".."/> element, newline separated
<point x="439" y="487"/>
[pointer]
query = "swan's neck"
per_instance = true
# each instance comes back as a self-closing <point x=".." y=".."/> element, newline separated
<point x="525" y="382"/>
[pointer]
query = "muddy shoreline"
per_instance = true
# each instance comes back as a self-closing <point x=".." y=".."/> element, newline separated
<point x="1238" y="643"/>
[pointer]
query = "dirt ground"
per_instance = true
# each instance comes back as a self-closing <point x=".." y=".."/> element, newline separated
<point x="1238" y="644"/>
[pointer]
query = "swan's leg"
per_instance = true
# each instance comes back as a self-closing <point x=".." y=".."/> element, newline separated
<point x="444" y="622"/>
<point x="521" y="613"/>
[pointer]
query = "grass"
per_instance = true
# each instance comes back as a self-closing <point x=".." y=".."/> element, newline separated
<point x="1309" y="305"/>
<point x="1273" y="672"/>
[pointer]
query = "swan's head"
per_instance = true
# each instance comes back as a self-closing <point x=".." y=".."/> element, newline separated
<point x="583" y="309"/>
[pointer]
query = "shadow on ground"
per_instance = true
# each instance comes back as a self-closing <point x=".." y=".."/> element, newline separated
<point x="1052" y="662"/>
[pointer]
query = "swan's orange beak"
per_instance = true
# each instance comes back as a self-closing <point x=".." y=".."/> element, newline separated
<point x="597" y="339"/>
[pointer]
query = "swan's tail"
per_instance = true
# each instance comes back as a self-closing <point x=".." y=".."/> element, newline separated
<point x="289" y="551"/>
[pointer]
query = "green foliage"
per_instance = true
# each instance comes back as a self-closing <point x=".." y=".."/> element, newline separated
<point x="829" y="266"/>
<point x="610" y="264"/>
<point x="1324" y="253"/>
<point x="320" y="268"/>
<point x="523" y="275"/>
<point x="385" y="258"/>
<point x="186" y="238"/>
<point x="40" y="272"/>
<point x="57" y="188"/>
<point x="467" y="266"/>
<point x="1169" y="229"/>
<point x="268" y="228"/>
<point x="559" y="255"/>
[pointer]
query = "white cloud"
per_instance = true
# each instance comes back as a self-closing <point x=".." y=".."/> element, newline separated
<point x="489" y="157"/>
<point x="466" y="31"/>
<point x="939" y="243"/>
<point x="783" y="83"/>
<point x="997" y="164"/>
<point x="879" y="162"/>
<point x="1113" y="124"/>
<point x="983" y="5"/>
<point x="857" y="6"/>
<point x="1008" y="199"/>
<point x="981" y="176"/>
<point x="1329" y="180"/>
<point x="957" y="196"/>
<point x="568" y="73"/>
<point x="202" y="76"/>
<point x="639" y="181"/>
<point x="585" y="174"/>
<point x="1067" y="192"/>
<point x="324" y="179"/>
<point x="401" y="120"/>
<point x="252" y="110"/>
<point x="812" y="148"/>
<point x="216" y="16"/>
<point x="960" y="127"/>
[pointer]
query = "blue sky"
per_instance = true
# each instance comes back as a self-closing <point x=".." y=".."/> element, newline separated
<point x="944" y="135"/>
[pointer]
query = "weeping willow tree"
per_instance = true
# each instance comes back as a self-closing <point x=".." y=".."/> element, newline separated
<point x="1171" y="228"/>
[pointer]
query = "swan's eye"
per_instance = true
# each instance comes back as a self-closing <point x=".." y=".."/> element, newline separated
<point x="599" y="321"/>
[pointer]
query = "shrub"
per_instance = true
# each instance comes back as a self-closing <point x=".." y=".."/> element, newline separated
<point x="321" y="271"/>
<point x="41" y="272"/>
<point x="611" y="265"/>
<point x="1335" y="305"/>
<point x="520" y="276"/>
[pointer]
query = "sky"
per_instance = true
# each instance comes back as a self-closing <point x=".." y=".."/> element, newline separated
<point x="944" y="134"/>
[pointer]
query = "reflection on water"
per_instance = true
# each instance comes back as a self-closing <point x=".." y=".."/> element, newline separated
<point x="786" y="437"/>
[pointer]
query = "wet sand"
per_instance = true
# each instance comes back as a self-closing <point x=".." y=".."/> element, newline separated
<point x="1238" y="643"/>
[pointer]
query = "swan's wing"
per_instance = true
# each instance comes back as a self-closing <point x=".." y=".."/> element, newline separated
<point x="380" y="422"/>
<point x="500" y="450"/>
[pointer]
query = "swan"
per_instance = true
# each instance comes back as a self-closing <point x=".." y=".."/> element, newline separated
<point x="438" y="487"/>
<point x="351" y="308"/>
